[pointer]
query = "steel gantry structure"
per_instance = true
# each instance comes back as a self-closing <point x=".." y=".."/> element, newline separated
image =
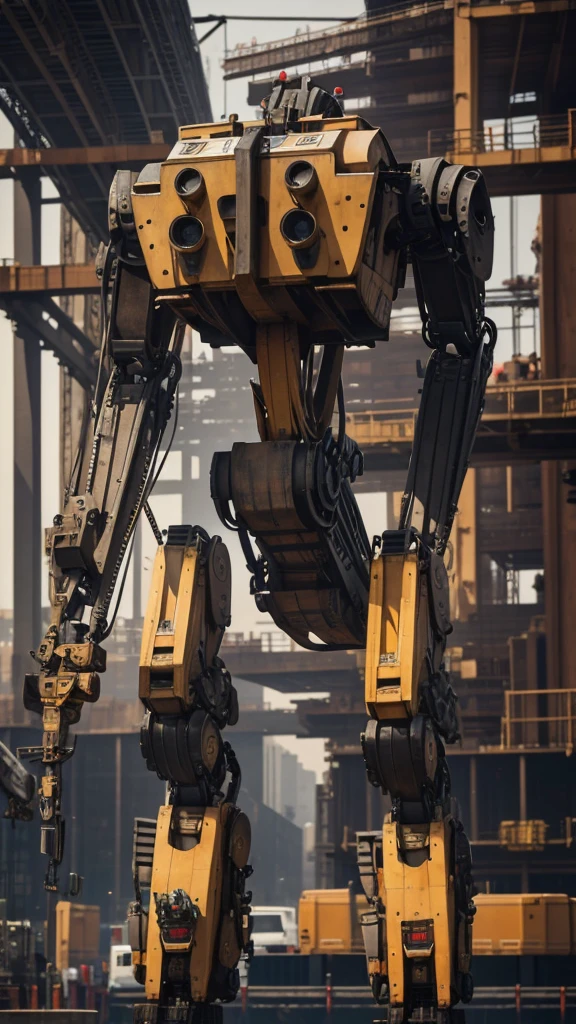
<point x="413" y="67"/>
<point x="83" y="73"/>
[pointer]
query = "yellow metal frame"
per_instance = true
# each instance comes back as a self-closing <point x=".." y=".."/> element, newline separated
<point x="419" y="893"/>
<point x="396" y="636"/>
<point x="199" y="873"/>
<point x="175" y="598"/>
<point x="346" y="160"/>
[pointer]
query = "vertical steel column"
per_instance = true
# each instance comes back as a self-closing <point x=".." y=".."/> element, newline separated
<point x="137" y="572"/>
<point x="474" y="835"/>
<point x="522" y="796"/>
<point x="27" y="442"/>
<point x="465" y="73"/>
<point x="558" y="320"/>
<point x="523" y="808"/>
<point x="118" y="823"/>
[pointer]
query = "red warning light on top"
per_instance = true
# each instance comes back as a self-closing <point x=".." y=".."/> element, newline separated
<point x="338" y="90"/>
<point x="282" y="76"/>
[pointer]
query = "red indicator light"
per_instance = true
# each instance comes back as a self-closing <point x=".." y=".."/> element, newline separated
<point x="282" y="76"/>
<point x="338" y="90"/>
<point x="418" y="936"/>
<point x="178" y="933"/>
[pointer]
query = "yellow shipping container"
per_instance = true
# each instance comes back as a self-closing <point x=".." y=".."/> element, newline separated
<point x="507" y="924"/>
<point x="329" y="921"/>
<point x="77" y="934"/>
<point x="527" y="923"/>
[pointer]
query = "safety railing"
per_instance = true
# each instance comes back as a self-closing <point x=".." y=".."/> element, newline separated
<point x="540" y="398"/>
<point x="514" y="400"/>
<point x="539" y="719"/>
<point x="537" y="133"/>
<point x="272" y="641"/>
<point x="391" y="12"/>
<point x="388" y="427"/>
<point x="522" y="835"/>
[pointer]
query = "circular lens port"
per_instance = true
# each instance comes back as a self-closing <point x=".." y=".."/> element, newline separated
<point x="299" y="229"/>
<point x="189" y="183"/>
<point x="301" y="177"/>
<point x="187" y="234"/>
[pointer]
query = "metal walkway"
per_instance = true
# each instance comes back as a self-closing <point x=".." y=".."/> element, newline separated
<point x="522" y="421"/>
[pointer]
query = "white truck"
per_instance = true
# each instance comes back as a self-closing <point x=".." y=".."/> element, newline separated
<point x="121" y="973"/>
<point x="274" y="929"/>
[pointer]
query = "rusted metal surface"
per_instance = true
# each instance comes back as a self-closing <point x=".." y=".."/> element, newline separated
<point x="405" y="17"/>
<point x="516" y="158"/>
<point x="351" y="37"/>
<point x="74" y="76"/>
<point x="57" y="279"/>
<point x="528" y="420"/>
<point x="554" y="709"/>
<point x="57" y="156"/>
<point x="508" y="141"/>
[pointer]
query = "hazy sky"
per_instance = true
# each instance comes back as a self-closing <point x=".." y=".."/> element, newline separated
<point x="243" y="611"/>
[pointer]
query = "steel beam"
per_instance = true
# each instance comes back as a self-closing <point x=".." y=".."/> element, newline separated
<point x="527" y="421"/>
<point x="520" y="7"/>
<point x="59" y="279"/>
<point x="465" y="69"/>
<point x="349" y="37"/>
<point x="67" y="324"/>
<point x="513" y="172"/>
<point x="558" y="319"/>
<point x="27" y="452"/>
<point x="550" y="170"/>
<point x="55" y="156"/>
<point x="28" y="316"/>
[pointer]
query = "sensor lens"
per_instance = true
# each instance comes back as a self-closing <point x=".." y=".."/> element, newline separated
<point x="187" y="233"/>
<point x="189" y="183"/>
<point x="301" y="177"/>
<point x="299" y="228"/>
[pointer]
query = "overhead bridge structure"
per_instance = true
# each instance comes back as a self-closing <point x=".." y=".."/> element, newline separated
<point x="98" y="73"/>
<point x="413" y="67"/>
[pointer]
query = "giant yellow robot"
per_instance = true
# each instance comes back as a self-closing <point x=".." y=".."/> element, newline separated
<point x="289" y="237"/>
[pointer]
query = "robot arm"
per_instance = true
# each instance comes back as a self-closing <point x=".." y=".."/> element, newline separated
<point x="190" y="930"/>
<point x="111" y="480"/>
